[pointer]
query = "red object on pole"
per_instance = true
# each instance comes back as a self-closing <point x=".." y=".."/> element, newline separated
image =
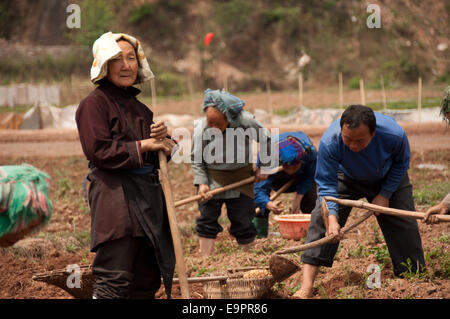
<point x="208" y="37"/>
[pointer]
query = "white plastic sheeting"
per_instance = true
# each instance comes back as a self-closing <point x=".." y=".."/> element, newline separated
<point x="29" y="94"/>
<point x="45" y="116"/>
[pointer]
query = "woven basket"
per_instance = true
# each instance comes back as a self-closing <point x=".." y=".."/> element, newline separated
<point x="238" y="288"/>
<point x="231" y="288"/>
<point x="59" y="278"/>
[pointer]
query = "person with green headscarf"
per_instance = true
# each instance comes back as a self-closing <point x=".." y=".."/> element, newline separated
<point x="217" y="160"/>
<point x="444" y="206"/>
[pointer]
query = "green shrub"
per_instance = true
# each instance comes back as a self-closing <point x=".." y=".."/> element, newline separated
<point x="97" y="18"/>
<point x="431" y="194"/>
<point x="354" y="83"/>
<point x="233" y="16"/>
<point x="145" y="11"/>
<point x="171" y="84"/>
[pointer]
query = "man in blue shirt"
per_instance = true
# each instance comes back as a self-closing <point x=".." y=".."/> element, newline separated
<point x="298" y="157"/>
<point x="365" y="154"/>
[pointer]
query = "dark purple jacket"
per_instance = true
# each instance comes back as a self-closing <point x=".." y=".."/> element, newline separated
<point x="111" y="122"/>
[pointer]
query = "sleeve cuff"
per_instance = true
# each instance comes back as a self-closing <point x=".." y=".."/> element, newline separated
<point x="134" y="149"/>
<point x="201" y="180"/>
<point x="385" y="193"/>
<point x="333" y="212"/>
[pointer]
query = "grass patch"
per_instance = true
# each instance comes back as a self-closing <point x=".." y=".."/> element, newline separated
<point x="359" y="252"/>
<point x="438" y="260"/>
<point x="225" y="247"/>
<point x="431" y="193"/>
<point x="405" y="105"/>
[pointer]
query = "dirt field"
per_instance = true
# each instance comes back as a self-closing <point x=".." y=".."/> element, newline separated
<point x="65" y="240"/>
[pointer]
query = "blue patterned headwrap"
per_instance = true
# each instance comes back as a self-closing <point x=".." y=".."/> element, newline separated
<point x="228" y="104"/>
<point x="292" y="150"/>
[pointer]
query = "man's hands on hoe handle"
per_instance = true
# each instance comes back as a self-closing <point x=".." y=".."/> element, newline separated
<point x="333" y="224"/>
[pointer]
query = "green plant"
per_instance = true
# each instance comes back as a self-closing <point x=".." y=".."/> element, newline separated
<point x="294" y="289"/>
<point x="72" y="248"/>
<point x="445" y="238"/>
<point x="409" y="273"/>
<point x="381" y="254"/>
<point x="359" y="252"/>
<point x="204" y="270"/>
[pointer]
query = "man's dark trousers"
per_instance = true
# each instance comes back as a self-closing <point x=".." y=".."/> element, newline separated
<point x="401" y="234"/>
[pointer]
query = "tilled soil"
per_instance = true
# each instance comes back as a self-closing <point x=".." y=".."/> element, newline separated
<point x="65" y="240"/>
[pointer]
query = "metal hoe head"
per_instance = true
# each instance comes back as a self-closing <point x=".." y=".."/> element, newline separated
<point x="282" y="268"/>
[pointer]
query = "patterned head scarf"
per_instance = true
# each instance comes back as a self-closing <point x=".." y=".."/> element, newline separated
<point x="106" y="48"/>
<point x="292" y="150"/>
<point x="228" y="104"/>
<point x="445" y="105"/>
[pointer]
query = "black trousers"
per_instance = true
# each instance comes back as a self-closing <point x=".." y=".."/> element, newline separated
<point x="126" y="268"/>
<point x="240" y="212"/>
<point x="401" y="233"/>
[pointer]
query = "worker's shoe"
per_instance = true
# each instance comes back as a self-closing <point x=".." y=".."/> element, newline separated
<point x="262" y="226"/>
<point x="206" y="246"/>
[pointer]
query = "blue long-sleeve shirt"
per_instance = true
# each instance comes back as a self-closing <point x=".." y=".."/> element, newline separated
<point x="385" y="160"/>
<point x="304" y="175"/>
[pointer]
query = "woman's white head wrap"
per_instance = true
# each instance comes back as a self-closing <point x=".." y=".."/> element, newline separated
<point x="106" y="48"/>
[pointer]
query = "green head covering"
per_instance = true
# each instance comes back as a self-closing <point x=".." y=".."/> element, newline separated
<point x="228" y="104"/>
<point x="445" y="105"/>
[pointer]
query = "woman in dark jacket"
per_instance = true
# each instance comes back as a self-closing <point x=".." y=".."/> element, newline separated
<point x="129" y="228"/>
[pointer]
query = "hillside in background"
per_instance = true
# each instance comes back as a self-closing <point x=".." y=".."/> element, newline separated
<point x="255" y="41"/>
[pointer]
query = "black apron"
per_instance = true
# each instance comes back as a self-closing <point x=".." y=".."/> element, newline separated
<point x="146" y="201"/>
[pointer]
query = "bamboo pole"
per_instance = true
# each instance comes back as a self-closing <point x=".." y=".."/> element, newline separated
<point x="383" y="94"/>
<point x="202" y="279"/>
<point x="153" y="91"/>
<point x="225" y="82"/>
<point x="300" y="89"/>
<point x="325" y="240"/>
<point x="216" y="191"/>
<point x="341" y="92"/>
<point x="362" y="92"/>
<point x="269" y="98"/>
<point x="384" y="210"/>
<point x="171" y="213"/>
<point x="419" y="99"/>
<point x="191" y="92"/>
<point x="167" y="188"/>
<point x="277" y="194"/>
